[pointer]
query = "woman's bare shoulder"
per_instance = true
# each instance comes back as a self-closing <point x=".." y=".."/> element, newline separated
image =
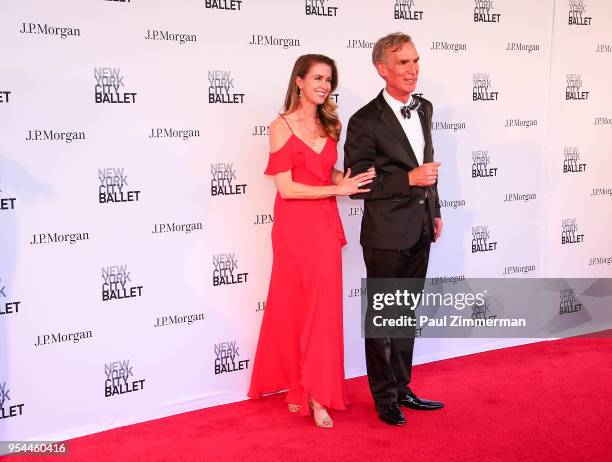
<point x="279" y="134"/>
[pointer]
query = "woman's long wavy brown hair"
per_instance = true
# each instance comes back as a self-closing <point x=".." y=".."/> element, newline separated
<point x="326" y="111"/>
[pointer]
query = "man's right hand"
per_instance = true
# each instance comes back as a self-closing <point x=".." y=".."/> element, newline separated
<point x="425" y="175"/>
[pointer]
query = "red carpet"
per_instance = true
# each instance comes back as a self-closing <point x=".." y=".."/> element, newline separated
<point x="538" y="402"/>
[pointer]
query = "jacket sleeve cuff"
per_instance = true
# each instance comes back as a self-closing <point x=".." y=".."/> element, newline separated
<point x="396" y="185"/>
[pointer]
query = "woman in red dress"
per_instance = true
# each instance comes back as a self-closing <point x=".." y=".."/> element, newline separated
<point x="301" y="346"/>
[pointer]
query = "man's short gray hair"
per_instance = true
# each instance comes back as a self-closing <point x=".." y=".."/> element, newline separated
<point x="391" y="42"/>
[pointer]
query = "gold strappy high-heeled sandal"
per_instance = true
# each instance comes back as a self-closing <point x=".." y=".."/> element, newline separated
<point x="322" y="421"/>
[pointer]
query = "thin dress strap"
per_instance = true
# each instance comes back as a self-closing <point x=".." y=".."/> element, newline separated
<point x="283" y="117"/>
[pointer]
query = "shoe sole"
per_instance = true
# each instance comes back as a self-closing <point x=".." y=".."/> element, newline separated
<point x="421" y="408"/>
<point x="395" y="424"/>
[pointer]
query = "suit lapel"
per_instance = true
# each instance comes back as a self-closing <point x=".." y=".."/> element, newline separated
<point x="389" y="119"/>
<point x="428" y="151"/>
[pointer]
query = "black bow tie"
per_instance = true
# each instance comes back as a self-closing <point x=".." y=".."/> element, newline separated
<point x="412" y="105"/>
<point x="405" y="110"/>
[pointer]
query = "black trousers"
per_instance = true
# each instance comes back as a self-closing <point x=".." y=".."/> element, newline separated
<point x="389" y="360"/>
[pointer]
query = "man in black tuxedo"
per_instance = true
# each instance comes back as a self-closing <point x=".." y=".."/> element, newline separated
<point x="402" y="210"/>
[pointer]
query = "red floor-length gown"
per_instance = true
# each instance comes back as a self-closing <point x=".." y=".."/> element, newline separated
<point x="301" y="347"/>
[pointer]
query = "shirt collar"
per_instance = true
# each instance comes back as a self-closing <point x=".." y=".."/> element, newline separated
<point x="396" y="105"/>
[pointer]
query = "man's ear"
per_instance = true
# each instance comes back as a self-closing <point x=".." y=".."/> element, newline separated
<point x="382" y="71"/>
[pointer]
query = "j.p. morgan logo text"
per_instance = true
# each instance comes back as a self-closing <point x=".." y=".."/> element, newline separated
<point x="445" y="125"/>
<point x="569" y="232"/>
<point x="447" y="46"/>
<point x="601" y="260"/>
<point x="523" y="123"/>
<point x="114" y="187"/>
<point x="272" y="41"/>
<point x="320" y="8"/>
<point x="7" y="410"/>
<point x="7" y="306"/>
<point x="602" y="121"/>
<point x="154" y="34"/>
<point x="226" y="358"/>
<point x="481" y="164"/>
<point x="174" y="319"/>
<point x="117" y="284"/>
<point x="358" y="43"/>
<point x="573" y="88"/>
<point x="186" y="228"/>
<point x="605" y="191"/>
<point x="406" y="9"/>
<point x="120" y="379"/>
<point x="568" y="302"/>
<point x="482" y="89"/>
<point x="355" y="211"/>
<point x="5" y="96"/>
<point x="221" y="89"/>
<point x="481" y="239"/>
<point x="526" y="269"/>
<point x="225" y="270"/>
<point x="110" y="85"/>
<point x="571" y="160"/>
<point x="183" y="134"/>
<point x="52" y="135"/>
<point x="600" y="48"/>
<point x="224" y="180"/>
<point x="47" y="30"/>
<point x="484" y="12"/>
<point x="231" y="5"/>
<point x="452" y="204"/>
<point x="357" y="292"/>
<point x="263" y="219"/>
<point x="261" y="130"/>
<point x="55" y="238"/>
<point x="577" y="14"/>
<point x="72" y="337"/>
<point x="445" y="280"/>
<point x="519" y="46"/>
<point x="520" y="197"/>
<point x="7" y="203"/>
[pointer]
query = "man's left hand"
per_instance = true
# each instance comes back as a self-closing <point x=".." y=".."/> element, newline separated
<point x="437" y="228"/>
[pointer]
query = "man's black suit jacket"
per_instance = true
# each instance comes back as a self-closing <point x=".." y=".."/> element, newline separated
<point x="393" y="210"/>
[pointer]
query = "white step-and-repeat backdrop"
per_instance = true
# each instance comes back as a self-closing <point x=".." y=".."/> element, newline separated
<point x="135" y="217"/>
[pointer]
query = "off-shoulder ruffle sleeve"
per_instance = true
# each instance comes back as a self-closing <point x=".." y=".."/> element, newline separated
<point x="279" y="161"/>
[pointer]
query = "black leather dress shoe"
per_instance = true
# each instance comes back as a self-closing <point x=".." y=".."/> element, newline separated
<point x="411" y="401"/>
<point x="391" y="414"/>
